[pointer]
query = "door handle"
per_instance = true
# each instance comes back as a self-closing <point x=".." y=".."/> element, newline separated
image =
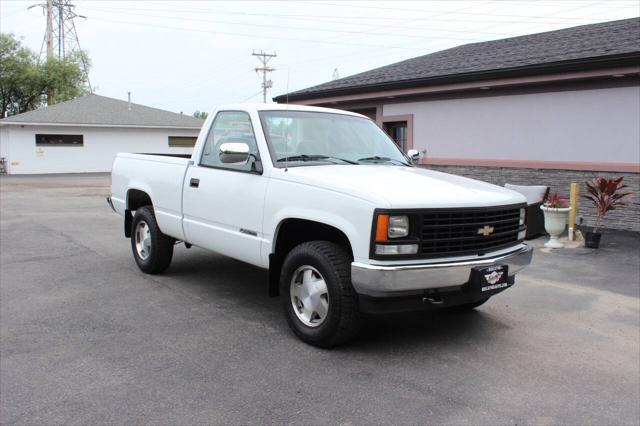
<point x="194" y="183"/>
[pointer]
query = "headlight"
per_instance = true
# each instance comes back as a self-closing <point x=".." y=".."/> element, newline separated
<point x="523" y="214"/>
<point x="398" y="226"/>
<point x="388" y="227"/>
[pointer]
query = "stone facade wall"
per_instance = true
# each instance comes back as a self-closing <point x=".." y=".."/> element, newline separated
<point x="626" y="218"/>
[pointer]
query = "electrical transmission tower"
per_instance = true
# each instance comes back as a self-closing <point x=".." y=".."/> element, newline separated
<point x="264" y="58"/>
<point x="60" y="37"/>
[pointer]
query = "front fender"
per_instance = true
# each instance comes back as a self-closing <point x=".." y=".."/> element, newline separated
<point x="352" y="216"/>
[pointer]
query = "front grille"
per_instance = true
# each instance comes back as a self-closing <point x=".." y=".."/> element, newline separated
<point x="455" y="232"/>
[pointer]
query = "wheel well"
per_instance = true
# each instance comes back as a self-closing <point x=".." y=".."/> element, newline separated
<point x="135" y="199"/>
<point x="292" y="232"/>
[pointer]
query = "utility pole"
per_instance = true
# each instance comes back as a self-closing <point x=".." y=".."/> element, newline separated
<point x="49" y="36"/>
<point x="61" y="37"/>
<point x="49" y="33"/>
<point x="264" y="58"/>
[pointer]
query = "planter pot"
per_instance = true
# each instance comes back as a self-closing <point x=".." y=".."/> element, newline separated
<point x="555" y="220"/>
<point x="592" y="239"/>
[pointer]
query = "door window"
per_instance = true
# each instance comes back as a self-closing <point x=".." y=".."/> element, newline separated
<point x="229" y="127"/>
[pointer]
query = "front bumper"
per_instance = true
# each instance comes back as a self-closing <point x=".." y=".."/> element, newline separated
<point x="390" y="281"/>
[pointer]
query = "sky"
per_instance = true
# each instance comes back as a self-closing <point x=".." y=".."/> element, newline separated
<point x="184" y="56"/>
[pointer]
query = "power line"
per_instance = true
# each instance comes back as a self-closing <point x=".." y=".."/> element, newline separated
<point x="360" y="17"/>
<point x="264" y="59"/>
<point x="262" y="35"/>
<point x="321" y="18"/>
<point x="251" y="97"/>
<point x="360" y="6"/>
<point x="368" y="31"/>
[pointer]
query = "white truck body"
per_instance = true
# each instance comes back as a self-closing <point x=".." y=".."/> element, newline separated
<point x="240" y="214"/>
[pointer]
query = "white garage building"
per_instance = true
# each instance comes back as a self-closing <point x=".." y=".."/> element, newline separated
<point x="84" y="135"/>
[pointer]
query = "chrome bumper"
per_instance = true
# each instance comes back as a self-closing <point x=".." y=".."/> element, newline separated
<point x="380" y="281"/>
<point x="110" y="202"/>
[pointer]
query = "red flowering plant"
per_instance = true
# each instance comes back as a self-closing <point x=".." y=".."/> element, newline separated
<point x="555" y="201"/>
<point x="606" y="195"/>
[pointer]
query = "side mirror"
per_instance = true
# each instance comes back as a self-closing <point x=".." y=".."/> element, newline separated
<point x="414" y="155"/>
<point x="234" y="153"/>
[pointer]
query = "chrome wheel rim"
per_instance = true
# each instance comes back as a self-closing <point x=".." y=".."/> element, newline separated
<point x="143" y="240"/>
<point x="309" y="296"/>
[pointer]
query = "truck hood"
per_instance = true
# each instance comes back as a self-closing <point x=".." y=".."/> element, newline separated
<point x="403" y="187"/>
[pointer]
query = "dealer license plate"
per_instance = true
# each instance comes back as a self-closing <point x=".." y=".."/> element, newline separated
<point x="491" y="278"/>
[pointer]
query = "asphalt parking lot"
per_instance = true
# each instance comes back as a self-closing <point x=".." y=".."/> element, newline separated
<point x="86" y="338"/>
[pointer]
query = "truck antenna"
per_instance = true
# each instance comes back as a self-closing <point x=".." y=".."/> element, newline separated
<point x="286" y="163"/>
<point x="288" y="72"/>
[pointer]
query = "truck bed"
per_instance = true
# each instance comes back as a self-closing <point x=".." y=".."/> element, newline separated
<point x="159" y="175"/>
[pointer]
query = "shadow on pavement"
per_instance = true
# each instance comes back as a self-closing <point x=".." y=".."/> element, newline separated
<point x="219" y="279"/>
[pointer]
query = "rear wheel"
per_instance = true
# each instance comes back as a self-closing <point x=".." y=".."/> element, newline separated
<point x="152" y="250"/>
<point x="319" y="301"/>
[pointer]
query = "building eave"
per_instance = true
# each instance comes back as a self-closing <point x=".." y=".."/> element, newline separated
<point x="563" y="67"/>
<point x="119" y="126"/>
<point x="524" y="81"/>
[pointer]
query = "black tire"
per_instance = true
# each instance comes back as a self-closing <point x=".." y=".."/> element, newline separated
<point x="159" y="256"/>
<point x="469" y="306"/>
<point x="342" y="320"/>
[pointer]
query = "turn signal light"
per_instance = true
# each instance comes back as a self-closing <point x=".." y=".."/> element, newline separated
<point x="382" y="227"/>
<point x="388" y="227"/>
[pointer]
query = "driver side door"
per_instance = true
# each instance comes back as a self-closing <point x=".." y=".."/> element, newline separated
<point x="223" y="203"/>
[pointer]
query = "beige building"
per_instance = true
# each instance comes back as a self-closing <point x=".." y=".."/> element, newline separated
<point x="553" y="107"/>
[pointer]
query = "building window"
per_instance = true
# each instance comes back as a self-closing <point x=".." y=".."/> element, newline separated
<point x="59" y="140"/>
<point x="182" y="141"/>
<point x="397" y="130"/>
<point x="400" y="129"/>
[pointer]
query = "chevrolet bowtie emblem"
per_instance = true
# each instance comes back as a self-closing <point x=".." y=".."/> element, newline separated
<point x="486" y="230"/>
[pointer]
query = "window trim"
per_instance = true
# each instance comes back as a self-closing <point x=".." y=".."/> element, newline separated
<point x="74" y="145"/>
<point x="396" y="118"/>
<point x="204" y="144"/>
<point x="195" y="139"/>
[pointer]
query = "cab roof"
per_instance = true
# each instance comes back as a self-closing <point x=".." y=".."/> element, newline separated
<point x="284" y="107"/>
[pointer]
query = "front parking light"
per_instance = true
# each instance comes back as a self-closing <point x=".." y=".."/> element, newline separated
<point x="396" y="249"/>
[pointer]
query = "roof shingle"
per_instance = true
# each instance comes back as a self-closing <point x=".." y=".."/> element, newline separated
<point x="595" y="41"/>
<point x="100" y="110"/>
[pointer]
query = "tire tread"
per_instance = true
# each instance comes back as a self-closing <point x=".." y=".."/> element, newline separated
<point x="340" y="262"/>
<point x="162" y="245"/>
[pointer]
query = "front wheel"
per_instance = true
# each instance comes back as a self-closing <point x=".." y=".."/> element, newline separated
<point x="319" y="301"/>
<point x="152" y="250"/>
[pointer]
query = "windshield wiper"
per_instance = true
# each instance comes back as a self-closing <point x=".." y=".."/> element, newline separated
<point x="387" y="159"/>
<point x="305" y="157"/>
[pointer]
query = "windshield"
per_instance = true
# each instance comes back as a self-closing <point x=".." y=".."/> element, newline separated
<point x="301" y="138"/>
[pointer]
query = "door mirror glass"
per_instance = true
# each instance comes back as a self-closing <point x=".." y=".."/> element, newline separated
<point x="234" y="153"/>
<point x="414" y="155"/>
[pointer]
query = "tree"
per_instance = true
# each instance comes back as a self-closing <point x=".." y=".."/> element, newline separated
<point x="20" y="79"/>
<point x="201" y="114"/>
<point x="24" y="81"/>
<point x="64" y="77"/>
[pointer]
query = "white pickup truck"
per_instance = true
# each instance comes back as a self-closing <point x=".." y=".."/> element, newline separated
<point x="323" y="199"/>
